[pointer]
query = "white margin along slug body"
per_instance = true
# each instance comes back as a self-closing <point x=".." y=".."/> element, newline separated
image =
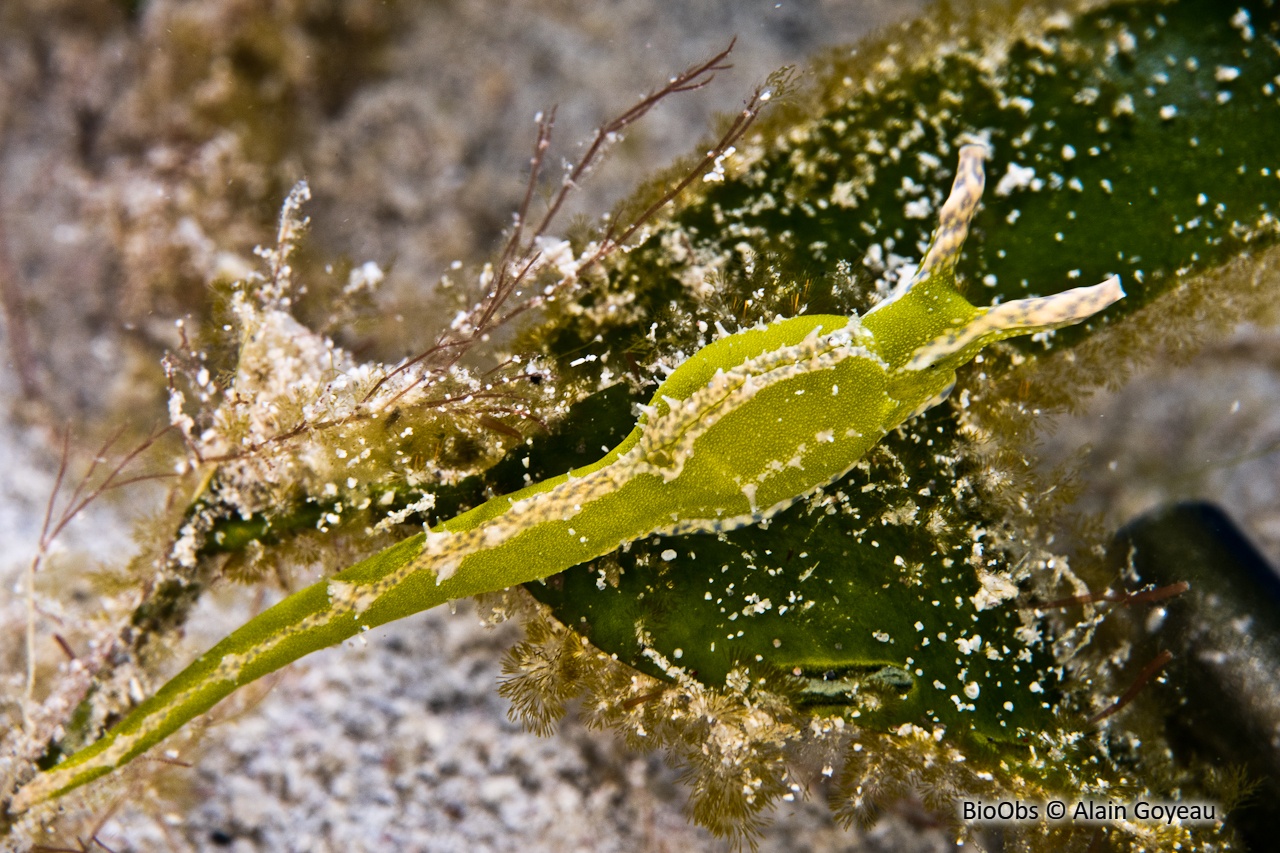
<point x="747" y="426"/>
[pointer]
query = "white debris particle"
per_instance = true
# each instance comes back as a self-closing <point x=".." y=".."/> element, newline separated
<point x="968" y="646"/>
<point x="1068" y="152"/>
<point x="1027" y="634"/>
<point x="717" y="168"/>
<point x="668" y="555"/>
<point x="1008" y="706"/>
<point x="994" y="589"/>
<point x="1086" y="96"/>
<point x="177" y="416"/>
<point x="1023" y="104"/>
<point x="1168" y="111"/>
<point x="881" y="636"/>
<point x="1225" y="73"/>
<point x="184" y="548"/>
<point x="920" y="208"/>
<point x="972" y="690"/>
<point x="365" y="277"/>
<point x="1035" y="687"/>
<point x="1240" y="20"/>
<point x="842" y="195"/>
<point x="1018" y="178"/>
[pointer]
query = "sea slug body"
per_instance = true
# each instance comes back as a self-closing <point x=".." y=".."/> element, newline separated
<point x="751" y="423"/>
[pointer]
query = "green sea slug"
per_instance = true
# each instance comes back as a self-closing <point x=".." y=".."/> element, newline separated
<point x="751" y="423"/>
